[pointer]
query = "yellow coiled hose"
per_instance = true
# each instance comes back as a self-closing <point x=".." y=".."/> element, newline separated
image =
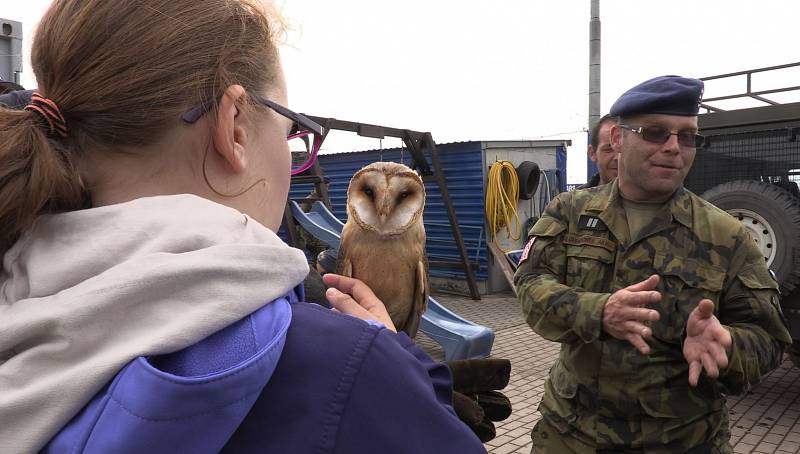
<point x="502" y="196"/>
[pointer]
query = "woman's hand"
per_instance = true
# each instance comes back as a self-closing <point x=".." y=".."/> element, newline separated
<point x="351" y="296"/>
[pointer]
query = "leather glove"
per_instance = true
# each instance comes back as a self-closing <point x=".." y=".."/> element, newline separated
<point x="476" y="398"/>
<point x="315" y="288"/>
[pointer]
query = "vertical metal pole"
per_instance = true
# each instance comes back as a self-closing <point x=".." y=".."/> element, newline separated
<point x="16" y="50"/>
<point x="322" y="190"/>
<point x="292" y="237"/>
<point x="594" y="64"/>
<point x="451" y="213"/>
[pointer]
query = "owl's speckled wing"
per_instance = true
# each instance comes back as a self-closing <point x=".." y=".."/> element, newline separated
<point x="420" y="301"/>
<point x="344" y="266"/>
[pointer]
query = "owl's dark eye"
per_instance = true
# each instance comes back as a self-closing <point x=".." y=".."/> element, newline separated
<point x="403" y="195"/>
<point x="368" y="192"/>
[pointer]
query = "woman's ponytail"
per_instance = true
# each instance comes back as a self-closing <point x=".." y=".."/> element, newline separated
<point x="37" y="176"/>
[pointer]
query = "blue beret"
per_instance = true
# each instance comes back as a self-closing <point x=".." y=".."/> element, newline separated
<point x="671" y="95"/>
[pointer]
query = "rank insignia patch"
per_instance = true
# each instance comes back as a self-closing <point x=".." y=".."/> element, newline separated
<point x="587" y="222"/>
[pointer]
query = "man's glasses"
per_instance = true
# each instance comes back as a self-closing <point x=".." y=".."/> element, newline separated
<point x="659" y="135"/>
<point x="304" y="130"/>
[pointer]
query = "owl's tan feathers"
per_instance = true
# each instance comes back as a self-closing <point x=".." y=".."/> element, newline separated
<point x="383" y="241"/>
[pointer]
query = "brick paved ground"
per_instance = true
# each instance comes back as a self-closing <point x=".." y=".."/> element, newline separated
<point x="766" y="420"/>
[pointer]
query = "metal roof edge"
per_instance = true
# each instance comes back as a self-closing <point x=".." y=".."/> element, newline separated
<point x="525" y="143"/>
<point x="375" y="150"/>
<point x="485" y="144"/>
<point x="750" y="116"/>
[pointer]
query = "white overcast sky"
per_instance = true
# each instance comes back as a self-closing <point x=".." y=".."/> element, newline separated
<point x="503" y="69"/>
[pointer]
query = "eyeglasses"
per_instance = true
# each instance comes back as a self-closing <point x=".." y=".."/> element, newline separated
<point x="303" y="129"/>
<point x="659" y="135"/>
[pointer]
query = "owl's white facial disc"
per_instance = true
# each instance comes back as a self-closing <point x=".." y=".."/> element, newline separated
<point x="388" y="204"/>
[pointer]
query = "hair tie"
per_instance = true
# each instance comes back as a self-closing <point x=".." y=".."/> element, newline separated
<point x="50" y="113"/>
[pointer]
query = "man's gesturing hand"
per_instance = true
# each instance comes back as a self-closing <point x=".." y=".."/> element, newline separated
<point x="705" y="344"/>
<point x="623" y="314"/>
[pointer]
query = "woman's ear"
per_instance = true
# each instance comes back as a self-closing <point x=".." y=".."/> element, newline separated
<point x="229" y="135"/>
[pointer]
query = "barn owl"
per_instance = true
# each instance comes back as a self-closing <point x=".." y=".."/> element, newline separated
<point x="383" y="241"/>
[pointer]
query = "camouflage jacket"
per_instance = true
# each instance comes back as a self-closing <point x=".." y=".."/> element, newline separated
<point x="601" y="389"/>
<point x="593" y="182"/>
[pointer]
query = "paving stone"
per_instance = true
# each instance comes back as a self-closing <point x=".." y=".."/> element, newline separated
<point x="792" y="437"/>
<point x="751" y="439"/>
<point x="516" y="433"/>
<point x="768" y="448"/>
<point x="524" y="449"/>
<point x="773" y="438"/>
<point x="522" y="441"/>
<point x="505" y="449"/>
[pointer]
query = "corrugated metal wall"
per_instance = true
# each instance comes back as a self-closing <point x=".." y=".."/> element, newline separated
<point x="561" y="166"/>
<point x="462" y="168"/>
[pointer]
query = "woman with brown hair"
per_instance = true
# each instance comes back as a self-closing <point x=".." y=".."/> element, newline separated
<point x="146" y="304"/>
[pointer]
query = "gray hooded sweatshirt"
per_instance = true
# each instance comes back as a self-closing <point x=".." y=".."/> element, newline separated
<point x="85" y="292"/>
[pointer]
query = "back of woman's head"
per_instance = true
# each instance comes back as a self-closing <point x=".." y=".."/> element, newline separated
<point x="121" y="73"/>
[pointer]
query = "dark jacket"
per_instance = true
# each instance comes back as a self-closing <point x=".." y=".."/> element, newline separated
<point x="593" y="182"/>
<point x="344" y="386"/>
<point x="291" y="378"/>
<point x="16" y="99"/>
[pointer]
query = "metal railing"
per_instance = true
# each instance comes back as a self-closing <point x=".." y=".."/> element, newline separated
<point x="758" y="95"/>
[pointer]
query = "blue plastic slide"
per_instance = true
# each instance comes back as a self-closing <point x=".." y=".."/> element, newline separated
<point x="459" y="337"/>
<point x="319" y="222"/>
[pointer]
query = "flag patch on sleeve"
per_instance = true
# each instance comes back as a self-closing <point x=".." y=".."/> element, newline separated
<point x="527" y="250"/>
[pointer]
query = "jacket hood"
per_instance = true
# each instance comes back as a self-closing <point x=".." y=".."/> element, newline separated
<point x="83" y="293"/>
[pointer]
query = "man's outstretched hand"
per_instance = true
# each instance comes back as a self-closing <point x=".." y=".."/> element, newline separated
<point x="623" y="315"/>
<point x="705" y="344"/>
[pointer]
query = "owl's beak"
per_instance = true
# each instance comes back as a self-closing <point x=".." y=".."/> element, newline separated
<point x="384" y="208"/>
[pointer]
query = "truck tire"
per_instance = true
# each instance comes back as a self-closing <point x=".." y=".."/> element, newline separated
<point x="528" y="175"/>
<point x="772" y="217"/>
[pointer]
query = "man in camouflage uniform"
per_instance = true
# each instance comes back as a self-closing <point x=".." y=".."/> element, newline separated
<point x="661" y="302"/>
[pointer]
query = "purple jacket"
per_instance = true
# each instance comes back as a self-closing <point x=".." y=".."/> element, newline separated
<point x="291" y="378"/>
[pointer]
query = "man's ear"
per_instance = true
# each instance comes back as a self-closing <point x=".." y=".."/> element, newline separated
<point x="229" y="137"/>
<point x="616" y="138"/>
<point x="592" y="153"/>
